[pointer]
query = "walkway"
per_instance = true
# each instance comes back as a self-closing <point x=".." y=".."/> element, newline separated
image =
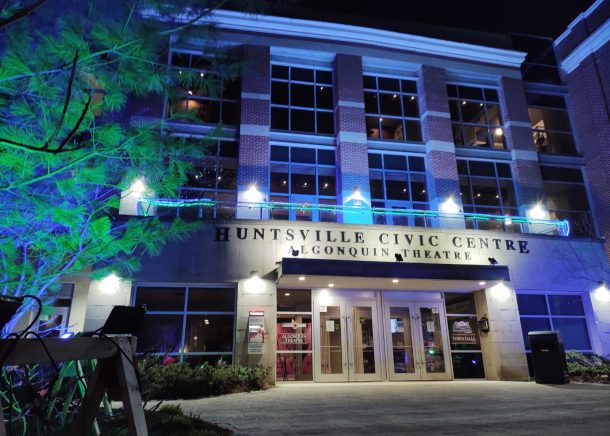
<point x="458" y="407"/>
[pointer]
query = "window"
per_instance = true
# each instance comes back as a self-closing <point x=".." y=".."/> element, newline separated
<point x="392" y="109"/>
<point x="564" y="313"/>
<point x="540" y="64"/>
<point x="550" y="123"/>
<point x="476" y="117"/>
<point x="202" y="96"/>
<point x="464" y="336"/>
<point x="566" y="198"/>
<point x="214" y="178"/>
<point x="398" y="181"/>
<point x="191" y="323"/>
<point x="487" y="188"/>
<point x="301" y="99"/>
<point x="304" y="175"/>
<point x="294" y="360"/>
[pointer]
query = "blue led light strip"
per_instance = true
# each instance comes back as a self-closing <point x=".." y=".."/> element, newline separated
<point x="562" y="226"/>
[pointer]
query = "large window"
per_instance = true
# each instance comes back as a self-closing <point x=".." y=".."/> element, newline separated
<point x="476" y="117"/>
<point x="562" y="312"/>
<point x="540" y="64"/>
<point x="392" y="109"/>
<point x="464" y="336"/>
<point x="202" y="95"/>
<point x="550" y="123"/>
<point x="487" y="188"/>
<point x="398" y="181"/>
<point x="566" y="198"/>
<point x="294" y="359"/>
<point x="301" y="99"/>
<point x="191" y="323"/>
<point x="214" y="178"/>
<point x="304" y="175"/>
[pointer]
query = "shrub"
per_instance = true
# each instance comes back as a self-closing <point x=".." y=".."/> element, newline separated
<point x="181" y="381"/>
<point x="589" y="367"/>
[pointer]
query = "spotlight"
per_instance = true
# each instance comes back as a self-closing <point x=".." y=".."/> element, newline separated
<point x="394" y="280"/>
<point x="492" y="261"/>
<point x="398" y="257"/>
<point x="302" y="278"/>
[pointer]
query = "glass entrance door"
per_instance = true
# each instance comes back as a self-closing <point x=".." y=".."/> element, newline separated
<point x="415" y="341"/>
<point x="348" y="341"/>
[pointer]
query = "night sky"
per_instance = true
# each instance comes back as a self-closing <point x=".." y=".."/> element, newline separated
<point x="538" y="17"/>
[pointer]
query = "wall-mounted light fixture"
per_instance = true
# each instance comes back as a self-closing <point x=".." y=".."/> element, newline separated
<point x="110" y="284"/>
<point x="253" y="195"/>
<point x="254" y="285"/>
<point x="356" y="198"/>
<point x="537" y="212"/>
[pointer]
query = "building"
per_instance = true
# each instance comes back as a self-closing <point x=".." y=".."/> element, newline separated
<point x="390" y="206"/>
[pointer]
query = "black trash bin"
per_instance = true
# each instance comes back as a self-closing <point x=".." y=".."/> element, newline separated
<point x="549" y="357"/>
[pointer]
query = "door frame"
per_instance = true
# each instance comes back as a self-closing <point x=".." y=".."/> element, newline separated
<point x="346" y="300"/>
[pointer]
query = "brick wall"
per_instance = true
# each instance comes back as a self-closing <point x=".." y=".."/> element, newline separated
<point x="351" y="141"/>
<point x="254" y="125"/>
<point x="441" y="168"/>
<point x="518" y="135"/>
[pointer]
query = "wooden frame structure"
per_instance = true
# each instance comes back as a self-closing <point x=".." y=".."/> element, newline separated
<point x="113" y="368"/>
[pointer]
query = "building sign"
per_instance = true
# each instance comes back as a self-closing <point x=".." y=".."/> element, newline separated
<point x="256" y="332"/>
<point x="293" y="338"/>
<point x="375" y="244"/>
<point x="463" y="331"/>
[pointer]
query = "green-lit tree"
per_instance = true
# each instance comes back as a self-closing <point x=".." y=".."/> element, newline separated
<point x="69" y="73"/>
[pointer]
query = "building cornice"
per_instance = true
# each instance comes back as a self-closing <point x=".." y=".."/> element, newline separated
<point x="577" y="20"/>
<point x="590" y="45"/>
<point x="320" y="30"/>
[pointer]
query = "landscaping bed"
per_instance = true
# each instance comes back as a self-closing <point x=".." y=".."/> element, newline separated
<point x="588" y="368"/>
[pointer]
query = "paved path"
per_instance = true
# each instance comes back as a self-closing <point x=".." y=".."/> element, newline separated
<point x="457" y="407"/>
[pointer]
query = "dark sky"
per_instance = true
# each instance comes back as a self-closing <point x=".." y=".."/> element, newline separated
<point x="539" y="17"/>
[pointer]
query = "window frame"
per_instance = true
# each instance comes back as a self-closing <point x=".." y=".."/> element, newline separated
<point x="544" y="130"/>
<point x="487" y="125"/>
<point x="316" y="198"/>
<point x="489" y="209"/>
<point x="221" y="99"/>
<point x="401" y="94"/>
<point x="290" y="107"/>
<point x="549" y="316"/>
<point x="185" y="313"/>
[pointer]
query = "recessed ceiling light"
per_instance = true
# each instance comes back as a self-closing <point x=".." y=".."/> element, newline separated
<point x="302" y="278"/>
<point x="287" y="294"/>
<point x="482" y="283"/>
<point x="331" y="285"/>
<point x="394" y="280"/>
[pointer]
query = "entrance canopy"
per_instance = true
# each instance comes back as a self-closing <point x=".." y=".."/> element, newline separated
<point x="319" y="273"/>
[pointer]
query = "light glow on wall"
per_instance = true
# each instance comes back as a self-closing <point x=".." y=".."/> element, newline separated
<point x="538" y="212"/>
<point x="449" y="206"/>
<point x="110" y="284"/>
<point x="356" y="199"/>
<point x="601" y="293"/>
<point x="500" y="291"/>
<point x="138" y="186"/>
<point x="253" y="195"/>
<point x="254" y="285"/>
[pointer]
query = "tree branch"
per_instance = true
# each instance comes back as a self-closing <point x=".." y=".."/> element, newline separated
<point x="21" y="13"/>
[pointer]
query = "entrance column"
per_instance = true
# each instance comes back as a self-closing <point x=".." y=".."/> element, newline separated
<point x="503" y="347"/>
<point x="441" y="168"/>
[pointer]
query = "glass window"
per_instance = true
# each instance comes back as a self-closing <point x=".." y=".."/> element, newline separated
<point x="200" y="95"/>
<point x="476" y="117"/>
<point x="567" y="199"/>
<point x="555" y="312"/>
<point x="551" y="129"/>
<point x="301" y="100"/>
<point x="487" y="188"/>
<point x="204" y="328"/>
<point x="213" y="178"/>
<point x="306" y="175"/>
<point x="459" y="303"/>
<point x="398" y="181"/>
<point x="392" y="109"/>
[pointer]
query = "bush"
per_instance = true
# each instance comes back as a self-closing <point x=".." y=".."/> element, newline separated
<point x="589" y="367"/>
<point x="181" y="381"/>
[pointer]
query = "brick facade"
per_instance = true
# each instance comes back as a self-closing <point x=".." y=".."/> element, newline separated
<point x="351" y="141"/>
<point x="255" y="120"/>
<point x="442" y="176"/>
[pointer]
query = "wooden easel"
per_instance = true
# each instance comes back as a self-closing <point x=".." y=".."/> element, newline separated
<point x="112" y="366"/>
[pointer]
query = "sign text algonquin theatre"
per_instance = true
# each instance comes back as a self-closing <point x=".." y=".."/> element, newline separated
<point x="376" y="244"/>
